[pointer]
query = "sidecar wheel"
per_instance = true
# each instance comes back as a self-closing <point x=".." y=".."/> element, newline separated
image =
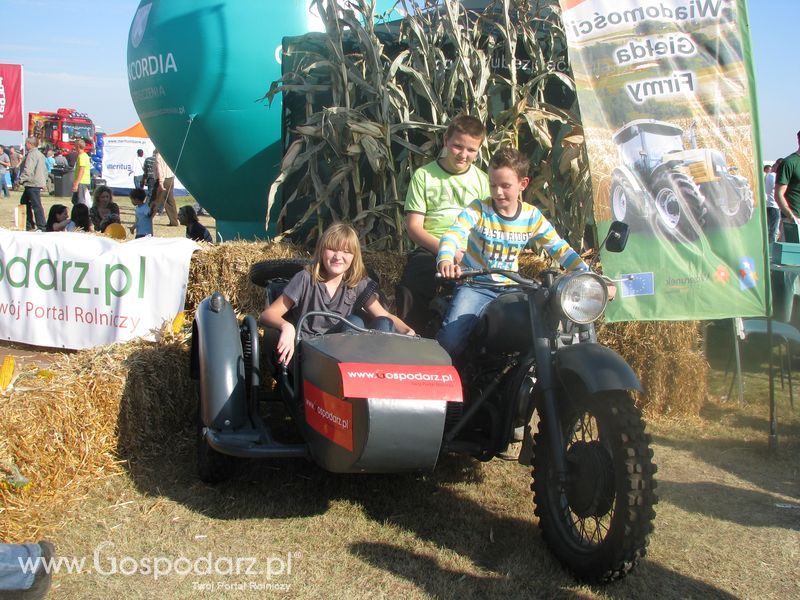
<point x="597" y="524"/>
<point x="212" y="466"/>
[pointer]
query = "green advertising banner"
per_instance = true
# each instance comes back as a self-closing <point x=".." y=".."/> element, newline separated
<point x="664" y="88"/>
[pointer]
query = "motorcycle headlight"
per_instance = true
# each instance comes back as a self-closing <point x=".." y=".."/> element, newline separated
<point x="582" y="296"/>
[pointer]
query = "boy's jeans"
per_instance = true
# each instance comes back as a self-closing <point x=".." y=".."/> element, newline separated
<point x="462" y="317"/>
<point x="379" y="324"/>
<point x="12" y="574"/>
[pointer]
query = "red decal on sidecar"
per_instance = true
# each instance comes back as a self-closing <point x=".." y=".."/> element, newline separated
<point x="405" y="382"/>
<point x="329" y="415"/>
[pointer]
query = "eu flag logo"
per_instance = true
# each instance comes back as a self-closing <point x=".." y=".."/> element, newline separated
<point x="637" y="284"/>
<point x="747" y="273"/>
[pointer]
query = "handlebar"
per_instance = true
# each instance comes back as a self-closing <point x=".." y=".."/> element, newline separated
<point x="512" y="275"/>
<point x="320" y="313"/>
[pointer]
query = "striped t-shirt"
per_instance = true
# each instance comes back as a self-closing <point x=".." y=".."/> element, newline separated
<point x="491" y="241"/>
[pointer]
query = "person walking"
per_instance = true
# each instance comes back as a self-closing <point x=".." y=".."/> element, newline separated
<point x="138" y="169"/>
<point x="165" y="183"/>
<point x="82" y="178"/>
<point x="149" y="175"/>
<point x="5" y="165"/>
<point x="15" y="159"/>
<point x="33" y="177"/>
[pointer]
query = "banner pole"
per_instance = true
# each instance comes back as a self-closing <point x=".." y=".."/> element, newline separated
<point x="22" y="103"/>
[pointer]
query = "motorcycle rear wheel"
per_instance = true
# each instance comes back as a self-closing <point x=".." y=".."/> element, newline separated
<point x="597" y="524"/>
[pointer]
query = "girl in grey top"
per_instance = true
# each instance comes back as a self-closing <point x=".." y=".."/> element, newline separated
<point x="332" y="283"/>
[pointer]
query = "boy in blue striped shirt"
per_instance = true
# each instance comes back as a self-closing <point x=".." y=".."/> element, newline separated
<point x="492" y="232"/>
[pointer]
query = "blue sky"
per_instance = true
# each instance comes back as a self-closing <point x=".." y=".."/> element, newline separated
<point x="75" y="57"/>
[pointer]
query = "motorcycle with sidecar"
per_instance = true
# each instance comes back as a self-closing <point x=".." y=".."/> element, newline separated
<point x="371" y="402"/>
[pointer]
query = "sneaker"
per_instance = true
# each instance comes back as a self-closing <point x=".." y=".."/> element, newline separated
<point x="512" y="452"/>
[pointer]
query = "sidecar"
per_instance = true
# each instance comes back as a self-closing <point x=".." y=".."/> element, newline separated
<point x="353" y="402"/>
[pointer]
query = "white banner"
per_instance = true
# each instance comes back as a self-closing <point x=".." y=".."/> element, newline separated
<point x="119" y="157"/>
<point x="73" y="290"/>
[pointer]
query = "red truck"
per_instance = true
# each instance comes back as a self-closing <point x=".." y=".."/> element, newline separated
<point x="60" y="129"/>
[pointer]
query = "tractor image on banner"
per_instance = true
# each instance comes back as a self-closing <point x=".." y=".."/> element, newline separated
<point x="672" y="191"/>
<point x="665" y="92"/>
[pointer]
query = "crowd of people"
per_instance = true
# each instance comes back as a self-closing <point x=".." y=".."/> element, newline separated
<point x="32" y="172"/>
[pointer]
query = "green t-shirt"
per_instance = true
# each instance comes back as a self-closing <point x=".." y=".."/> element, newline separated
<point x="789" y="175"/>
<point x="83" y="161"/>
<point x="441" y="196"/>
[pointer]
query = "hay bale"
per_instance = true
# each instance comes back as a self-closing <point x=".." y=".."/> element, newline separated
<point x="667" y="357"/>
<point x="225" y="268"/>
<point x="67" y="427"/>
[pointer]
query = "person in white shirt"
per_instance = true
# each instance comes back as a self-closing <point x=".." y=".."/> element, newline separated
<point x="773" y="208"/>
<point x="138" y="169"/>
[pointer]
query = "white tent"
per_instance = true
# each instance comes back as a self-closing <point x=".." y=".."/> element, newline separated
<point x="119" y="156"/>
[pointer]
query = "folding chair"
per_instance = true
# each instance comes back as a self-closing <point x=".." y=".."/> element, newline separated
<point x="784" y="335"/>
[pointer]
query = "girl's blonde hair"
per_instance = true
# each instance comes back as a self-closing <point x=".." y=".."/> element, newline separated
<point x="339" y="236"/>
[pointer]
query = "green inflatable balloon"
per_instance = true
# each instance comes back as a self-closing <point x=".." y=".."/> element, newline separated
<point x="196" y="72"/>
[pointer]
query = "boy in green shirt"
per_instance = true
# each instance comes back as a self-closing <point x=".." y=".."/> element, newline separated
<point x="437" y="194"/>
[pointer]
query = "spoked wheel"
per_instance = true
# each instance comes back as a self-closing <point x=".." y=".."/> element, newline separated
<point x="598" y="521"/>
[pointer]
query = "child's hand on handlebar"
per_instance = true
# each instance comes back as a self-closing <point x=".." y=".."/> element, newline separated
<point x="285" y="347"/>
<point x="448" y="270"/>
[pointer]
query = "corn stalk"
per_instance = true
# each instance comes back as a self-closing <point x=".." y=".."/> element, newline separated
<point x="378" y="97"/>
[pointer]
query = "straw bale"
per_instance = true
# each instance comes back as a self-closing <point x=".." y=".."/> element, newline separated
<point x="67" y="427"/>
<point x="668" y="359"/>
<point x="225" y="267"/>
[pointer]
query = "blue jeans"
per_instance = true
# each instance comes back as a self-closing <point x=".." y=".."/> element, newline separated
<point x="462" y="317"/>
<point x="32" y="199"/>
<point x="12" y="575"/>
<point x="773" y="223"/>
<point x="378" y="323"/>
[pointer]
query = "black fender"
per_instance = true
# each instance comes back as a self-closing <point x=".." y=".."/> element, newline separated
<point x="598" y="368"/>
<point x="218" y="362"/>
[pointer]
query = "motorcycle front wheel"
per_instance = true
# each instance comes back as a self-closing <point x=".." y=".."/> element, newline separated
<point x="598" y="521"/>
